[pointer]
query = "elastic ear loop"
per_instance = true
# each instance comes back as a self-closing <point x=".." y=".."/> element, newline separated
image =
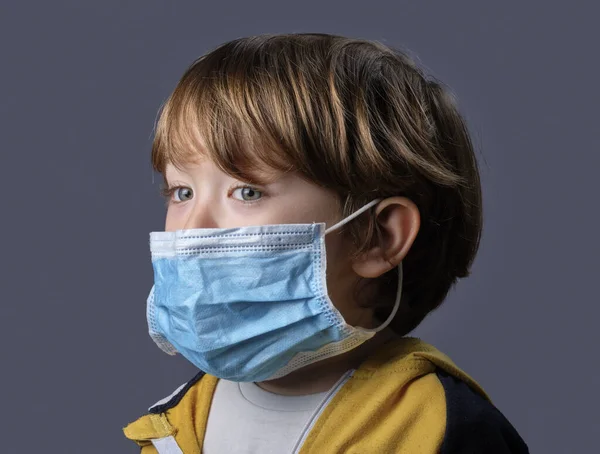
<point x="400" y="274"/>
<point x="352" y="216"/>
<point x="396" y="305"/>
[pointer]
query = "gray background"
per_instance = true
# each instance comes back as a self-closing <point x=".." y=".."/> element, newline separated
<point x="81" y="83"/>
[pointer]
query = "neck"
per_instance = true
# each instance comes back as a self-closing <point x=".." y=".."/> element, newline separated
<point x="322" y="375"/>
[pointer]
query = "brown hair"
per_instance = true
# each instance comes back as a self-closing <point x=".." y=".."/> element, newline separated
<point x="351" y="115"/>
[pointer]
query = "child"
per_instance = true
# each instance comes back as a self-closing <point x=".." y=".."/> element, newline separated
<point x="323" y="197"/>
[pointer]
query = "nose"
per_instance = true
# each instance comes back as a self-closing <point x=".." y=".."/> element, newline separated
<point x="201" y="216"/>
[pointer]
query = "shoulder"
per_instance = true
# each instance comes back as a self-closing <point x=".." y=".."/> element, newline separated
<point x="426" y="386"/>
<point x="473" y="423"/>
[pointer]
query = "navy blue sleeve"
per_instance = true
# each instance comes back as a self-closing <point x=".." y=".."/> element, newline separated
<point x="158" y="409"/>
<point x="474" y="425"/>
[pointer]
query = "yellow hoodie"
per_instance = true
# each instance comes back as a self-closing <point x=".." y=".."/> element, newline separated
<point x="407" y="398"/>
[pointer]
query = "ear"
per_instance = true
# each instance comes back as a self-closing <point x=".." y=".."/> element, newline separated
<point x="398" y="219"/>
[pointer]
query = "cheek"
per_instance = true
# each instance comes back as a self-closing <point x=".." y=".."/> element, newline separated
<point x="338" y="249"/>
<point x="333" y="250"/>
<point x="340" y="276"/>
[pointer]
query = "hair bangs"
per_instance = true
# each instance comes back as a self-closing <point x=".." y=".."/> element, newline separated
<point x="217" y="118"/>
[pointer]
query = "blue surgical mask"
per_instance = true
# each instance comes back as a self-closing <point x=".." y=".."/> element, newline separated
<point x="249" y="304"/>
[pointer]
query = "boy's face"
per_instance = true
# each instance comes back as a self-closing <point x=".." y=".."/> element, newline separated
<point x="203" y="196"/>
<point x="200" y="195"/>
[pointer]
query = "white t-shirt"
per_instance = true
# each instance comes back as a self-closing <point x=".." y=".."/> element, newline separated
<point x="245" y="419"/>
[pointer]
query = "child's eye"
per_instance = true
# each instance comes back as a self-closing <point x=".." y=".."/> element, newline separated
<point x="246" y="194"/>
<point x="182" y="194"/>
